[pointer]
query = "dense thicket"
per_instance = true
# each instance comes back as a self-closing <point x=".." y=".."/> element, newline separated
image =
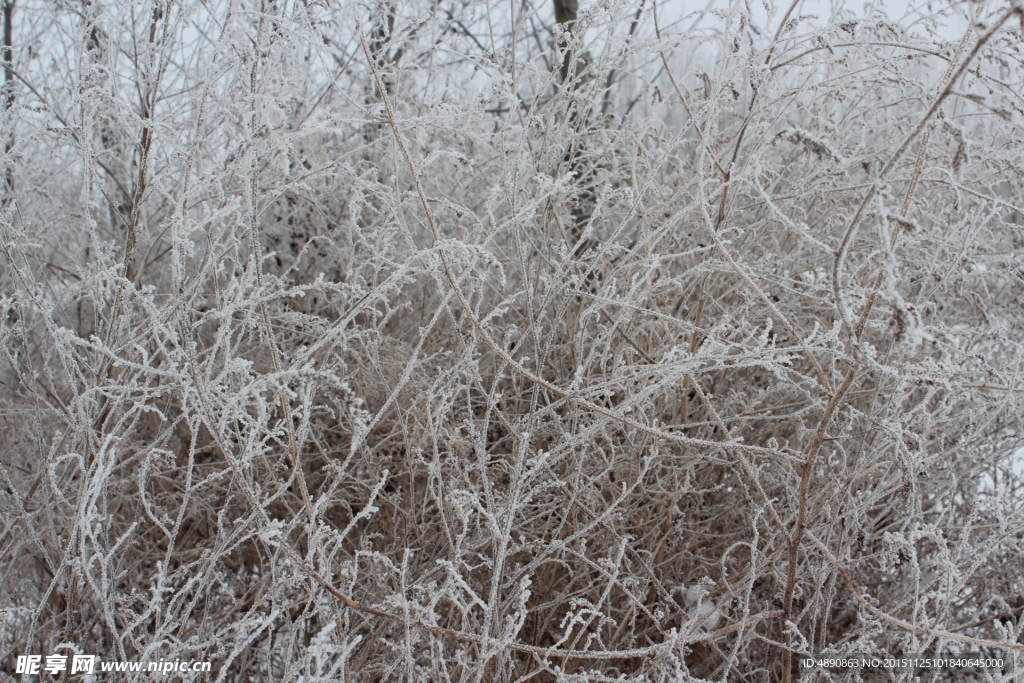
<point x="436" y="341"/>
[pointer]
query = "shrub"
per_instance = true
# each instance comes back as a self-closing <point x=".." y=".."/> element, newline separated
<point x="436" y="341"/>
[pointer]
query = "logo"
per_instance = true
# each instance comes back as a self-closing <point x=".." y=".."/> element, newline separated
<point x="55" y="664"/>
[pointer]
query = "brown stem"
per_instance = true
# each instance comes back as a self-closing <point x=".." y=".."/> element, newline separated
<point x="801" y="514"/>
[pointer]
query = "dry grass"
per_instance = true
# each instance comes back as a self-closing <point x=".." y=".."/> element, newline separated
<point x="389" y="355"/>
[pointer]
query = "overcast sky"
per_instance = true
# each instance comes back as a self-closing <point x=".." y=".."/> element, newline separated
<point x="903" y="12"/>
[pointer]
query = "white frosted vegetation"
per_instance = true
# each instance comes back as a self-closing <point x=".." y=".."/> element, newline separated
<point x="443" y="342"/>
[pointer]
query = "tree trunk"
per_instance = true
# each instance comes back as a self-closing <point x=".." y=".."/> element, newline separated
<point x="565" y="15"/>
